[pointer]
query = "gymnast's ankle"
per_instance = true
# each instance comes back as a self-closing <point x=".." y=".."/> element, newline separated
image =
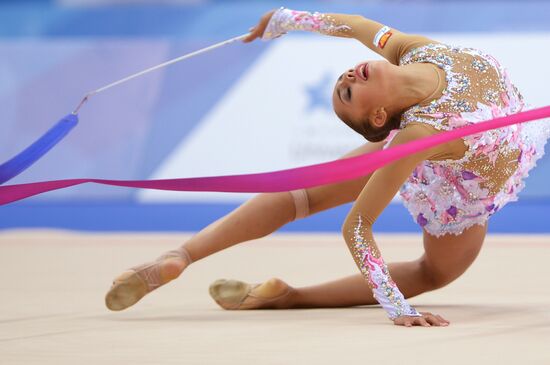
<point x="171" y="269"/>
<point x="271" y="288"/>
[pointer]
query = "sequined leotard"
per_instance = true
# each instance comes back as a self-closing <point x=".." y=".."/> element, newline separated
<point x="451" y="195"/>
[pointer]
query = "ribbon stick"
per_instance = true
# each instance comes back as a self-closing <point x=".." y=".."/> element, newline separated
<point x="34" y="152"/>
<point x="284" y="180"/>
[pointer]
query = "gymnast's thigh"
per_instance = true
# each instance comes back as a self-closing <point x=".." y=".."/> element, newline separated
<point x="448" y="256"/>
<point x="331" y="195"/>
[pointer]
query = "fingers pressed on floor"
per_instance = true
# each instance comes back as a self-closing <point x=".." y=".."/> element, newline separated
<point x="423" y="322"/>
<point x="434" y="321"/>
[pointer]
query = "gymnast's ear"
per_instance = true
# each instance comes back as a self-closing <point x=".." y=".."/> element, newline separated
<point x="379" y="118"/>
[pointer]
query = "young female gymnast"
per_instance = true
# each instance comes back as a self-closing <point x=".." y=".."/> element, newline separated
<point x="450" y="190"/>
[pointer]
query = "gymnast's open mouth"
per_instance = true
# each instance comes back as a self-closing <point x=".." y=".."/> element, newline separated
<point x="362" y="71"/>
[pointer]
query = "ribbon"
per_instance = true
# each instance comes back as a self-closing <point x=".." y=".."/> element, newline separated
<point x="284" y="180"/>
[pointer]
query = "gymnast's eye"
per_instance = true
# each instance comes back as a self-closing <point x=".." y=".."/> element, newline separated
<point x="349" y="93"/>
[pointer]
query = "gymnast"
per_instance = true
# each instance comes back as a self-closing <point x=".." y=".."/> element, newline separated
<point x="422" y="87"/>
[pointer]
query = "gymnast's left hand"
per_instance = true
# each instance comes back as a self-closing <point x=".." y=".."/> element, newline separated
<point x="427" y="320"/>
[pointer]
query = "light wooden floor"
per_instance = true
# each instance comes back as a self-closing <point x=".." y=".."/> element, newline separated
<point x="52" y="286"/>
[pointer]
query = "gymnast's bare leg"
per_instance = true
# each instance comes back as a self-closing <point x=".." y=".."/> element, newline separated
<point x="444" y="260"/>
<point x="258" y="217"/>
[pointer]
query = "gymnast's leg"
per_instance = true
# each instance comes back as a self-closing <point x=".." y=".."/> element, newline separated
<point x="258" y="217"/>
<point x="444" y="260"/>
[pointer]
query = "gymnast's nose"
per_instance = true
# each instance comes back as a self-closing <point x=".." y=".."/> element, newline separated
<point x="350" y="74"/>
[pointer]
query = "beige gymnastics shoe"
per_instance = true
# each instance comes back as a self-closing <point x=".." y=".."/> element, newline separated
<point x="134" y="284"/>
<point x="238" y="295"/>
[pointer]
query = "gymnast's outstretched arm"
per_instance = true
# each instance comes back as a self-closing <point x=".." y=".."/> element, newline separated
<point x="387" y="42"/>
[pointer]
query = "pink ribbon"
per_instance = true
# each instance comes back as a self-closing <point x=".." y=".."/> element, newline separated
<point x="284" y="180"/>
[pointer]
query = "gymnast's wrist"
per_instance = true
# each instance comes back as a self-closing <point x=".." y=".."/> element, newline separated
<point x="278" y="24"/>
<point x="394" y="303"/>
<point x="394" y="317"/>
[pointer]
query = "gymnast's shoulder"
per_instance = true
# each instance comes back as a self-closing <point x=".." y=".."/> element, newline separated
<point x="454" y="149"/>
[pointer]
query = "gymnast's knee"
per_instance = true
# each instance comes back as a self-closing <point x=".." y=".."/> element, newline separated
<point x="301" y="203"/>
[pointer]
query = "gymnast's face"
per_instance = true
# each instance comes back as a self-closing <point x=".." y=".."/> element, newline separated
<point x="361" y="92"/>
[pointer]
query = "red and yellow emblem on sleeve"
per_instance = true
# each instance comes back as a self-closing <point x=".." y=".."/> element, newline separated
<point x="381" y="38"/>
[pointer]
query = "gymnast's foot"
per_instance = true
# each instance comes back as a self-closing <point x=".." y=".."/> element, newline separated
<point x="135" y="283"/>
<point x="234" y="294"/>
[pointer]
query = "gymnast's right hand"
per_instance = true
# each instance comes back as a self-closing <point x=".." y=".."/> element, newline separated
<point x="427" y="320"/>
<point x="258" y="30"/>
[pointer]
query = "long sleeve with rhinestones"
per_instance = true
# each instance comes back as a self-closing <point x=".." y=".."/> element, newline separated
<point x="357" y="228"/>
<point x="387" y="42"/>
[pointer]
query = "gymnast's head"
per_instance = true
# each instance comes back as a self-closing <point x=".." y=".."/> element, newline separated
<point x="362" y="99"/>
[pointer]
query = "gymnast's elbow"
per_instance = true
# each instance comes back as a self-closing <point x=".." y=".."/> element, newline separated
<point x="355" y="223"/>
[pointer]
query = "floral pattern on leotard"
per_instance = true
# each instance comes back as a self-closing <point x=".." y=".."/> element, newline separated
<point x="450" y="196"/>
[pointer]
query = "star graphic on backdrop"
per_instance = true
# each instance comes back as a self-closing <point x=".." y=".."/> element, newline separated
<point x="320" y="93"/>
